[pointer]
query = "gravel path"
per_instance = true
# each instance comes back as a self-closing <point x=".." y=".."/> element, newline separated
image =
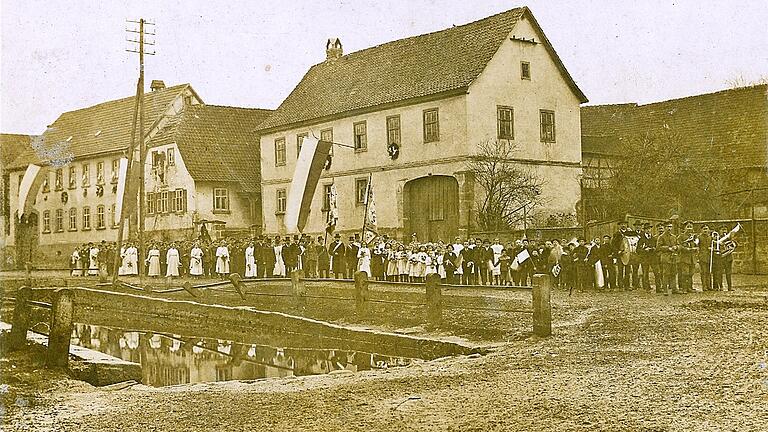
<point x="629" y="361"/>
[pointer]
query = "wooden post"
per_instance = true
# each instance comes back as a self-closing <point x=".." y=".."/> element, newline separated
<point x="361" y="293"/>
<point x="297" y="284"/>
<point x="237" y="281"/>
<point x="434" y="299"/>
<point x="542" y="309"/>
<point x="21" y="319"/>
<point x="62" y="314"/>
<point x="194" y="292"/>
<point x="28" y="268"/>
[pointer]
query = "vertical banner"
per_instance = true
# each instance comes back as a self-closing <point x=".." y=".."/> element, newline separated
<point x="309" y="167"/>
<point x="121" y="177"/>
<point x="333" y="211"/>
<point x="370" y="229"/>
<point x="30" y="184"/>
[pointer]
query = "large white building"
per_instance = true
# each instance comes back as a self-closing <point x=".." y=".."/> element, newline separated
<point x="200" y="167"/>
<point x="437" y="96"/>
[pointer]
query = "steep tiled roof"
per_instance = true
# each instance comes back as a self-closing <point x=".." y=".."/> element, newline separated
<point x="217" y="143"/>
<point x="425" y="65"/>
<point x="11" y="146"/>
<point x="101" y="128"/>
<point x="731" y="124"/>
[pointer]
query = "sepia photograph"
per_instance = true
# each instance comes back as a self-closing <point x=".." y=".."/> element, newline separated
<point x="383" y="215"/>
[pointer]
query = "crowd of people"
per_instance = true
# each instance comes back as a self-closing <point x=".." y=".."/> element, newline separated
<point x="623" y="261"/>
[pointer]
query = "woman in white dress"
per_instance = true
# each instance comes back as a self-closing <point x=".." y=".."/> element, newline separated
<point x="279" y="269"/>
<point x="131" y="261"/>
<point x="172" y="261"/>
<point x="495" y="266"/>
<point x="74" y="263"/>
<point x="364" y="259"/>
<point x="222" y="260"/>
<point x="93" y="260"/>
<point x="250" y="261"/>
<point x="196" y="261"/>
<point x="153" y="260"/>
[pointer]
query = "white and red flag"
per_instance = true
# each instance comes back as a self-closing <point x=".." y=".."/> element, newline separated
<point x="309" y="166"/>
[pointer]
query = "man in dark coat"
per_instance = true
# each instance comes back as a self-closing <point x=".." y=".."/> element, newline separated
<point x="323" y="259"/>
<point x="351" y="258"/>
<point x="338" y="252"/>
<point x="291" y="255"/>
<point x="689" y="249"/>
<point x="705" y="257"/>
<point x="646" y="249"/>
<point x="666" y="245"/>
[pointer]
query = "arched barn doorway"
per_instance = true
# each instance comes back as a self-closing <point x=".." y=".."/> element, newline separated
<point x="431" y="207"/>
<point x="27" y="235"/>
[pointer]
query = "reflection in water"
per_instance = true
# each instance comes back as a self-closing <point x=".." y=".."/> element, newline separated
<point x="172" y="359"/>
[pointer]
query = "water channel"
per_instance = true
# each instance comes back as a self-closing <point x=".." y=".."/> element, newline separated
<point x="168" y="359"/>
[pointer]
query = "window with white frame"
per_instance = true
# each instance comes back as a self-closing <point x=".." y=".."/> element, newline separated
<point x="115" y="170"/>
<point x="327" y="136"/>
<point x="59" y="220"/>
<point x="361" y="188"/>
<point x="282" y="200"/>
<point x="431" y="125"/>
<point x="47" y="221"/>
<point x="162" y="202"/>
<point x="151" y="203"/>
<point x="505" y="123"/>
<point x="100" y="173"/>
<point x="72" y="177"/>
<point x="86" y="175"/>
<point x="113" y="215"/>
<point x="58" y="183"/>
<point x="361" y="136"/>
<point x="171" y="157"/>
<point x="86" y="218"/>
<point x="547" y="126"/>
<point x="220" y="199"/>
<point x="280" y="152"/>
<point x="179" y="201"/>
<point x="393" y="130"/>
<point x="100" y="220"/>
<point x="73" y="219"/>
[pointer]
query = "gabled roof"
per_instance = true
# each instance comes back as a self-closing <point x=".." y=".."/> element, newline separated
<point x="440" y="63"/>
<point x="11" y="146"/>
<point x="217" y="143"/>
<point x="101" y="128"/>
<point x="731" y="124"/>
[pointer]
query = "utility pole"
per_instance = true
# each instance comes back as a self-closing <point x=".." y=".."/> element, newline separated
<point x="138" y="111"/>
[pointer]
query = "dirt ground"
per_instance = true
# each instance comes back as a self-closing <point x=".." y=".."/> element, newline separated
<point x="617" y="361"/>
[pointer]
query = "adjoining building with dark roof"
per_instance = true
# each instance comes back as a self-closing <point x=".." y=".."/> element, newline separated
<point x="201" y="168"/>
<point x="437" y="96"/>
<point x="724" y="133"/>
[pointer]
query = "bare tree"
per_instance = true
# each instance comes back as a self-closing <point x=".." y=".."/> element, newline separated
<point x="739" y="81"/>
<point x="656" y="176"/>
<point x="510" y="189"/>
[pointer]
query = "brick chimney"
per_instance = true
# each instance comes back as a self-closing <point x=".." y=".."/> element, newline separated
<point x="157" y="85"/>
<point x="333" y="49"/>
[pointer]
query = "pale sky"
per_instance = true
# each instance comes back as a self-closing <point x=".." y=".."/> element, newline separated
<point x="63" y="55"/>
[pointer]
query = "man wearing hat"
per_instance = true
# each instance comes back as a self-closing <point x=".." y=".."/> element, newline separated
<point x="689" y="247"/>
<point x="646" y="249"/>
<point x="338" y="251"/>
<point x="352" y="249"/>
<point x="617" y="245"/>
<point x="705" y="257"/>
<point x="667" y="246"/>
<point x="291" y="255"/>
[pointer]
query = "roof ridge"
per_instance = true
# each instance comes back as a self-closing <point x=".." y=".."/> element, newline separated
<point x="453" y="28"/>
<point x="233" y="107"/>
<point x="682" y="98"/>
<point x="164" y="90"/>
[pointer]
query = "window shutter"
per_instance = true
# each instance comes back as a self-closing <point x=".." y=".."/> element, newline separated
<point x="172" y="204"/>
<point x="184" y="200"/>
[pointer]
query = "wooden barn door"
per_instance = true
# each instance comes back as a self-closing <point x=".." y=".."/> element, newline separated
<point x="433" y="208"/>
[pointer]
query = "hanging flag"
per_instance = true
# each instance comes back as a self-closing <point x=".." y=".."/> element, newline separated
<point x="370" y="229"/>
<point x="121" y="175"/>
<point x="333" y="211"/>
<point x="30" y="184"/>
<point x="309" y="166"/>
